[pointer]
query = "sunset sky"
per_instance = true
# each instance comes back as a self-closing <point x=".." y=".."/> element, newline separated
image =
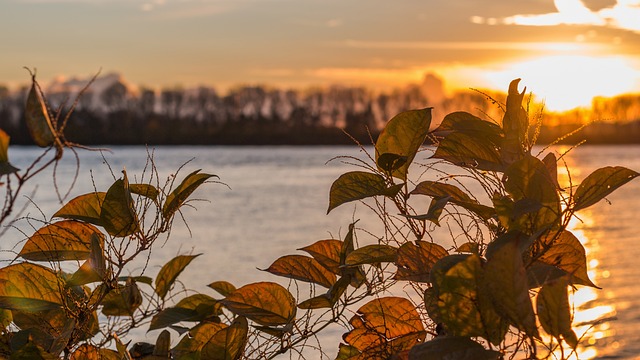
<point x="566" y="51"/>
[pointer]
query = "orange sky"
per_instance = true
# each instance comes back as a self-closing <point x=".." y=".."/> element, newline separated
<point x="566" y="51"/>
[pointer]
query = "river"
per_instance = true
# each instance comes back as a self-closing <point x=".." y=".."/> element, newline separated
<point x="273" y="200"/>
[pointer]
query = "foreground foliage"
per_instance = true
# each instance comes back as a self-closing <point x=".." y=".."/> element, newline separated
<point x="470" y="300"/>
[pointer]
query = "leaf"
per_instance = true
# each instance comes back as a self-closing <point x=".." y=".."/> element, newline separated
<point x="435" y="210"/>
<point x="84" y="208"/>
<point x="528" y="178"/>
<point x="384" y="327"/>
<point x="29" y="287"/>
<point x="31" y="351"/>
<point x="601" y="183"/>
<point x="554" y="311"/>
<point x="180" y="194"/>
<point x="469" y="151"/>
<point x="515" y="124"/>
<point x="414" y="262"/>
<point x="372" y="254"/>
<point x="389" y="163"/>
<point x="37" y="118"/>
<point x="449" y="348"/>
<point x="118" y="213"/>
<point x="347" y="352"/>
<point x="469" y="247"/>
<point x="170" y="271"/>
<point x="228" y="343"/>
<point x="91" y="352"/>
<point x="170" y="316"/>
<point x="146" y="190"/>
<point x="60" y="241"/>
<point x="455" y="195"/>
<point x="223" y="288"/>
<point x="123" y="300"/>
<point x="565" y="252"/>
<point x="196" y="307"/>
<point x="163" y="343"/>
<point x="5" y="167"/>
<point x="94" y="269"/>
<point x="505" y="280"/>
<point x="466" y="123"/>
<point x="327" y="253"/>
<point x="302" y="268"/>
<point x="196" y="339"/>
<point x="402" y="136"/>
<point x="122" y="348"/>
<point x="266" y="303"/>
<point x="358" y="185"/>
<point x="458" y="298"/>
<point x="330" y="298"/>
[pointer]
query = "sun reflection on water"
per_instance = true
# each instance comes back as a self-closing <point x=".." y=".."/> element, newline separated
<point x="592" y="312"/>
<point x="590" y="315"/>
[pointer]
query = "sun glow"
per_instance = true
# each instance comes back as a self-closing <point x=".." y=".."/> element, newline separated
<point x="565" y="82"/>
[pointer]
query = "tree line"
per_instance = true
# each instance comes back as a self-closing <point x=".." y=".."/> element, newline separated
<point x="261" y="115"/>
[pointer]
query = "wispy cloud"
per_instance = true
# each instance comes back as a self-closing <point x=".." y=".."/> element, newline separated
<point x="625" y="14"/>
<point x="470" y="45"/>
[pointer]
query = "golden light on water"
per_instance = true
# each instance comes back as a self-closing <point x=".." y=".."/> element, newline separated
<point x="592" y="312"/>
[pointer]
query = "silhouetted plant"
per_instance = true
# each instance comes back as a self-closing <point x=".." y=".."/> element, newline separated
<point x="472" y="300"/>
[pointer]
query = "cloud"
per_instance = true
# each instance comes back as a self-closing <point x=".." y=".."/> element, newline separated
<point x="623" y="15"/>
<point x="468" y="45"/>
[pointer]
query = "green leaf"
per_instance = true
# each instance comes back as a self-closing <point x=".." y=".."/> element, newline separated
<point x="145" y="190"/>
<point x="94" y="269"/>
<point x="456" y="196"/>
<point x="358" y="185"/>
<point x="469" y="124"/>
<point x="414" y="262"/>
<point x="196" y="339"/>
<point x="29" y="287"/>
<point x="372" y="254"/>
<point x="402" y="136"/>
<point x="469" y="151"/>
<point x="391" y="162"/>
<point x="118" y="213"/>
<point x="435" y="210"/>
<point x="123" y="300"/>
<point x="348" y="352"/>
<point x="173" y="315"/>
<point x="528" y="178"/>
<point x="180" y="194"/>
<point x="449" y="348"/>
<point x="170" y="271"/>
<point x="223" y="288"/>
<point x="302" y="268"/>
<point x="63" y="240"/>
<point x="228" y="343"/>
<point x="5" y="167"/>
<point x="266" y="303"/>
<point x="84" y="208"/>
<point x="327" y="253"/>
<point x="505" y="280"/>
<point x="554" y="310"/>
<point x="163" y="344"/>
<point x="565" y="252"/>
<point x="37" y="118"/>
<point x="601" y="183"/>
